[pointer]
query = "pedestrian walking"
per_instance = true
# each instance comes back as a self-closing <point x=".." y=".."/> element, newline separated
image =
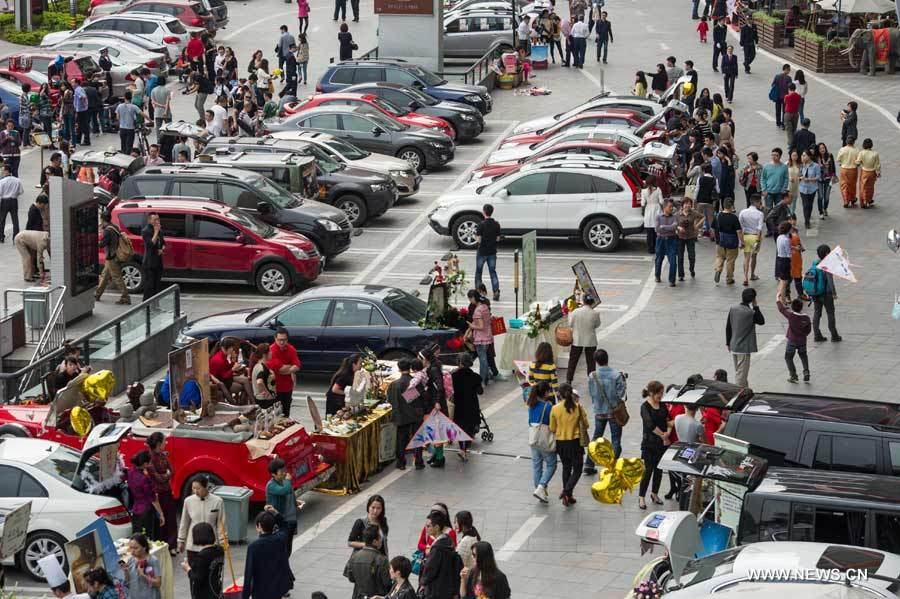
<point x="485" y="580"/>
<point x="607" y="388"/>
<point x="659" y="82"/>
<point x="127" y="115"/>
<point x="804" y="139"/>
<point x="481" y="333"/>
<point x="283" y="48"/>
<point x="161" y="473"/>
<point x="720" y="37"/>
<point x="554" y="38"/>
<point x="440" y="577"/>
<point x="748" y="39"/>
<point x="267" y="571"/>
<point x="848" y="161"/>
<point x="775" y="179"/>
<point x="32" y="245"/>
<point x="543" y="368"/>
<point x="567" y="421"/>
<point x="26" y="109"/>
<point x="849" y="123"/>
<point x="161" y="101"/>
<point x="204" y="571"/>
<point x="703" y="29"/>
<point x="823" y="293"/>
<point x="827" y="177"/>
<point x="280" y="495"/>
<point x="467" y="386"/>
<point x="152" y="261"/>
<point x="869" y="163"/>
<point x="202" y="87"/>
<point x="728" y="237"/>
<point x="780" y="88"/>
<point x="810" y="175"/>
<point x="666" y="241"/>
<point x="750" y="177"/>
<point x="112" y="267"/>
<point x="740" y="334"/>
<point x="10" y="190"/>
<point x="367" y="567"/>
<point x="354" y="5"/>
<point x="793" y="165"/>
<point x="200" y="506"/>
<point x="302" y="57"/>
<point x="791" y="114"/>
<point x="406" y="414"/>
<point x="802" y="88"/>
<point x="729" y="72"/>
<point x="146" y="512"/>
<point x="540" y="402"/>
<point x="799" y="327"/>
<point x="346" y="45"/>
<point x="725" y="179"/>
<point x="655" y="438"/>
<point x="10" y="149"/>
<point x="651" y="201"/>
<point x="752" y="221"/>
<point x="82" y="115"/>
<point x="303" y="15"/>
<point x="783" y="259"/>
<point x="605" y="38"/>
<point x="689" y="222"/>
<point x="565" y="30"/>
<point x="584" y="320"/>
<point x="488" y="235"/>
<point x="580" y="33"/>
<point x="285" y="364"/>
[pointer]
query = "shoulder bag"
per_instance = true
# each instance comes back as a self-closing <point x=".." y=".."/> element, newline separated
<point x="539" y="434"/>
<point x="619" y="413"/>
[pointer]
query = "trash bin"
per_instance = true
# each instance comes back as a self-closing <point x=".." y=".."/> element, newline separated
<point x="237" y="511"/>
<point x="36" y="301"/>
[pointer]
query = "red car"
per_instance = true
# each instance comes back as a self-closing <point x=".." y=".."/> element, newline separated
<point x="192" y="14"/>
<point x="210" y="241"/>
<point x="613" y="151"/>
<point x="225" y="457"/>
<point x="34" y="78"/>
<point x="381" y="105"/>
<point x="626" y="118"/>
<point x="78" y="65"/>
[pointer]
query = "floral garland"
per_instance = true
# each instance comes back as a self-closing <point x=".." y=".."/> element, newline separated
<point x="648" y="589"/>
<point x="97" y="487"/>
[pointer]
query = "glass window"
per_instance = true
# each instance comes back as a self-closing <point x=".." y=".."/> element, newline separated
<point x="352" y="313"/>
<point x="235" y="195"/>
<point x="173" y="225"/>
<point x="534" y="184"/>
<point x="150" y="187"/>
<point x="770" y="438"/>
<point x="356" y="124"/>
<point x="407" y="306"/>
<point x="305" y="314"/>
<point x="887" y="527"/>
<point x="322" y="121"/>
<point x="176" y="27"/>
<point x="452" y="27"/>
<point x="895" y="457"/>
<point x="803" y="523"/>
<point x="342" y="76"/>
<point x="211" y="229"/>
<point x="773" y="524"/>
<point x="853" y="454"/>
<point x="132" y="221"/>
<point x="394" y="97"/>
<point x="498" y="24"/>
<point x="195" y="189"/>
<point x="399" y="76"/>
<point x="335" y="103"/>
<point x="846" y="558"/>
<point x="367" y="74"/>
<point x="845" y="527"/>
<point x="570" y="183"/>
<point x="149" y="27"/>
<point x="822" y="458"/>
<point x="63" y="463"/>
<point x="602" y="185"/>
<point x="9" y="481"/>
<point x="29" y="487"/>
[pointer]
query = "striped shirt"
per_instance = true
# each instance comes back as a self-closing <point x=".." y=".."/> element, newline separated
<point x="543" y="372"/>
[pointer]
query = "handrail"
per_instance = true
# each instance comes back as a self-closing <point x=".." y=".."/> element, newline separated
<point x="373" y="53"/>
<point x="55" y="329"/>
<point x="482" y="67"/>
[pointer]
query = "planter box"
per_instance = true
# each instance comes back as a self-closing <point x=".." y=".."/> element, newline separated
<point x="814" y="55"/>
<point x="770" y="36"/>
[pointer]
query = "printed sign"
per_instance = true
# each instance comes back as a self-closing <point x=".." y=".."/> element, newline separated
<point x="109" y="459"/>
<point x="529" y="268"/>
<point x="15" y="529"/>
<point x="387" y="446"/>
<point x="84" y="554"/>
<point x="729" y="496"/>
<point x="107" y="546"/>
<point x="584" y="280"/>
<point x="404" y="7"/>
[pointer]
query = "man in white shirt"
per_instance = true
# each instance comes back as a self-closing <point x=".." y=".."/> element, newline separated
<point x="220" y="113"/>
<point x="524" y="33"/>
<point x="584" y="321"/>
<point x="753" y="222"/>
<point x="580" y="33"/>
<point x="10" y="190"/>
<point x="211" y="126"/>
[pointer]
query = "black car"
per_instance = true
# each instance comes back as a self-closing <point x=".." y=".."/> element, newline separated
<point x="370" y="130"/>
<point x="326" y="324"/>
<point x="466" y="120"/>
<point x="359" y="193"/>
<point x="324" y="225"/>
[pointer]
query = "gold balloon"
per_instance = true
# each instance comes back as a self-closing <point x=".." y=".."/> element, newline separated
<point x="687" y="89"/>
<point x="98" y="386"/>
<point x="81" y="421"/>
<point x="631" y="470"/>
<point x="609" y="488"/>
<point x="602" y="453"/>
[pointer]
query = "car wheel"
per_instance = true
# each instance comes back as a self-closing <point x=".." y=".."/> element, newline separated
<point x="273" y="279"/>
<point x="186" y="488"/>
<point x="133" y="277"/>
<point x="355" y="209"/>
<point x="465" y="231"/>
<point x="395" y="355"/>
<point x="601" y="235"/>
<point x="414" y="157"/>
<point x="12" y="430"/>
<point x="38" y="545"/>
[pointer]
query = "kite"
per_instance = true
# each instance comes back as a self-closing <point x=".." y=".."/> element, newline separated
<point x="837" y="264"/>
<point x="437" y="429"/>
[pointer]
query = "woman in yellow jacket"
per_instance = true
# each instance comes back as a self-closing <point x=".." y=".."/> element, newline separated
<point x="567" y="419"/>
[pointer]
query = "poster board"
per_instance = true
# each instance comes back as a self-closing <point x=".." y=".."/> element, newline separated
<point x="109" y="461"/>
<point x="107" y="546"/>
<point x="404" y="7"/>
<point x="729" y="496"/>
<point x="387" y="443"/>
<point x="15" y="530"/>
<point x="83" y="554"/>
<point x="189" y="362"/>
<point x="529" y="268"/>
<point x="585" y="282"/>
<point x="314" y="413"/>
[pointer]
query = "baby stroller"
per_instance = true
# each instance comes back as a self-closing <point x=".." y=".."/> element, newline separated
<point x="485" y="428"/>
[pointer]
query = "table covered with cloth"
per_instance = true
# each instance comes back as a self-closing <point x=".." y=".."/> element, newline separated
<point x="517" y="345"/>
<point x="355" y="455"/>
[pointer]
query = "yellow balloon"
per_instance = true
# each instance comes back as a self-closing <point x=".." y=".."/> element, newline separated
<point x="687" y="89"/>
<point x="609" y="488"/>
<point x="81" y="421"/>
<point x="602" y="453"/>
<point x="98" y="386"/>
<point x="631" y="470"/>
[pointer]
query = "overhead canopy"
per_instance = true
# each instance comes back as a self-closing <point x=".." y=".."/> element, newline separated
<point x="858" y="6"/>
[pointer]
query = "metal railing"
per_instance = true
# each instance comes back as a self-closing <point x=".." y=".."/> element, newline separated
<point x="481" y="70"/>
<point x="52" y="337"/>
<point x="370" y="55"/>
<point x="36" y="303"/>
<point x="104" y="342"/>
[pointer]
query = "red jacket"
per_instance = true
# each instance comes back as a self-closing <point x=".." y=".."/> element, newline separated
<point x="284" y="383"/>
<point x="195" y="49"/>
<point x="220" y="367"/>
<point x="792" y="102"/>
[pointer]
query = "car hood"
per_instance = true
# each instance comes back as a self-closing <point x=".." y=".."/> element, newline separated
<point x="509" y="154"/>
<point x="421" y="120"/>
<point x="524" y="138"/>
<point x="456" y="107"/>
<point x="465" y="193"/>
<point x="232" y="318"/>
<point x="290" y="238"/>
<point x="381" y="163"/>
<point x="534" y="125"/>
<point x="463" y="88"/>
<point x="56" y="37"/>
<point x="362" y="175"/>
<point x="429" y="135"/>
<point x="318" y="209"/>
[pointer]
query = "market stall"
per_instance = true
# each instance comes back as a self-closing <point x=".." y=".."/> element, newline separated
<point x="354" y="449"/>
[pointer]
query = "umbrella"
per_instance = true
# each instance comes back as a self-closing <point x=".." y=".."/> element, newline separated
<point x="858" y="6"/>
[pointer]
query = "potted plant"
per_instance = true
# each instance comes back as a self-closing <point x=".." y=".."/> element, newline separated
<point x="770" y="27"/>
<point x="817" y="52"/>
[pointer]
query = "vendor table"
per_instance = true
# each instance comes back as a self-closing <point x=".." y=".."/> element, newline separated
<point x="517" y="345"/>
<point x="355" y="455"/>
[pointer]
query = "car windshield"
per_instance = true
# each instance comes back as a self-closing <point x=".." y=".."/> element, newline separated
<point x="387" y="124"/>
<point x="429" y="78"/>
<point x="717" y="564"/>
<point x="274" y="192"/>
<point x="409" y="307"/>
<point x="88" y="66"/>
<point x="252" y="223"/>
<point x="389" y="107"/>
<point x="420" y="96"/>
<point x="347" y="150"/>
<point x="62" y="465"/>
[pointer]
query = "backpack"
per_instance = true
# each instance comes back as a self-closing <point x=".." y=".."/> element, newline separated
<point x="814" y="282"/>
<point x="124" y="249"/>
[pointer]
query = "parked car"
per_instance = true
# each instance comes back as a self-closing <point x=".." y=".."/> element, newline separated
<point x="122" y="41"/>
<point x="330" y="322"/>
<point x="472" y="32"/>
<point x="613" y="151"/>
<point x="466" y="121"/>
<point x="217" y="7"/>
<point x="373" y="102"/>
<point x="120" y="51"/>
<point x="101" y="10"/>
<point x="33" y="78"/>
<point x="351" y="72"/>
<point x="48" y="475"/>
<point x="356" y="194"/>
<point x="604" y="101"/>
<point x="598" y="203"/>
<point x="595" y="133"/>
<point x="10" y="93"/>
<point x="79" y="65"/>
<point x="189" y="12"/>
<point x="421" y="148"/>
<point x="209" y="241"/>
<point x="621" y="118"/>
<point x="161" y="29"/>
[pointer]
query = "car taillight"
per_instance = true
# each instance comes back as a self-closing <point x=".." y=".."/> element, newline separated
<point x="197" y="22"/>
<point x="319" y="89"/>
<point x="455" y="344"/>
<point x="115" y="515"/>
<point x="151" y="64"/>
<point x="171" y="39"/>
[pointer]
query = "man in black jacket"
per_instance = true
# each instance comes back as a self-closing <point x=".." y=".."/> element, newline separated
<point x="720" y="37"/>
<point x="604" y="35"/>
<point x="440" y="573"/>
<point x="267" y="571"/>
<point x="95" y="105"/>
<point x="804" y="139"/>
<point x="749" y="39"/>
<point x="152" y="264"/>
<point x="367" y="568"/>
<point x="406" y="414"/>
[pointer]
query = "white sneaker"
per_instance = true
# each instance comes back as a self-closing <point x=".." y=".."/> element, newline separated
<point x="546" y="495"/>
<point x="541" y="493"/>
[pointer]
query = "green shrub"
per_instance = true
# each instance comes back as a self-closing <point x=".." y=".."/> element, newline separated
<point x="7" y="18"/>
<point x="56" y="21"/>
<point x="809" y="36"/>
<point x="25" y="38"/>
<point x="764" y="17"/>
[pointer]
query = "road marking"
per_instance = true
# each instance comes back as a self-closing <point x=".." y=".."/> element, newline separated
<point x="505" y="256"/>
<point x="638" y="307"/>
<point x="354" y="504"/>
<point x="502" y="402"/>
<point x="769" y="347"/>
<point x="766" y="116"/>
<point x="664" y="46"/>
<point x="416" y="277"/>
<point x="520" y="537"/>
<point x="280" y="15"/>
<point x="593" y="79"/>
<point x="419" y="221"/>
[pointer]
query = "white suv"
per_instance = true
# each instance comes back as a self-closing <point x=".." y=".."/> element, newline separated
<point x="162" y="29"/>
<point x="597" y="201"/>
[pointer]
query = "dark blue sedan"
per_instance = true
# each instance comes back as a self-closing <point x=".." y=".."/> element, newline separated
<point x="328" y="323"/>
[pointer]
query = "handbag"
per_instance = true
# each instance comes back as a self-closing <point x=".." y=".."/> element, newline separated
<point x="563" y="336"/>
<point x="540" y="436"/>
<point x="773" y="92"/>
<point x="353" y="46"/>
<point x="690" y="191"/>
<point x="583" y="437"/>
<point x="620" y="414"/>
<point x="418" y="557"/>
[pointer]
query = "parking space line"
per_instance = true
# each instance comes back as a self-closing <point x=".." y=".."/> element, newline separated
<point x="508" y="256"/>
<point x="520" y="537"/>
<point x="642" y="301"/>
<point x="503" y="278"/>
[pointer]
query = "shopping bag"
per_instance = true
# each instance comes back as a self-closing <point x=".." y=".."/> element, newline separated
<point x="498" y="325"/>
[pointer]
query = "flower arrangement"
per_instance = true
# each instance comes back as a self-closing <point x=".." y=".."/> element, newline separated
<point x="648" y="589"/>
<point x="377" y="374"/>
<point x="534" y="322"/>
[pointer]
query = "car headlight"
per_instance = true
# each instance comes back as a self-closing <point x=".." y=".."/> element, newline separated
<point x="436" y="144"/>
<point x="376" y="187"/>
<point x="472" y="98"/>
<point x="329" y="225"/>
<point x="400" y="174"/>
<point x="467" y="117"/>
<point x="299" y="254"/>
<point x="438" y="129"/>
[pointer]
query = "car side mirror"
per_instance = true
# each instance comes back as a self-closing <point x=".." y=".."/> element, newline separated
<point x="376" y="131"/>
<point x="503" y="193"/>
<point x="263" y="207"/>
<point x="240" y="239"/>
<point x="414" y="105"/>
<point x="418" y="84"/>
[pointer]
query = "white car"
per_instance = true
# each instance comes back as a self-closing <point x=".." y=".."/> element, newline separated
<point x="124" y="52"/>
<point x="611" y="133"/>
<point x="596" y="201"/>
<point x="159" y="28"/>
<point x="602" y="101"/>
<point x="48" y="475"/>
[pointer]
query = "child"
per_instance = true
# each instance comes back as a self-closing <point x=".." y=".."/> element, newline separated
<point x="270" y="108"/>
<point x="703" y="29"/>
<point x="280" y="495"/>
<point x="799" y="327"/>
<point x="797" y="259"/>
<point x="417" y="384"/>
<point x="526" y="64"/>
